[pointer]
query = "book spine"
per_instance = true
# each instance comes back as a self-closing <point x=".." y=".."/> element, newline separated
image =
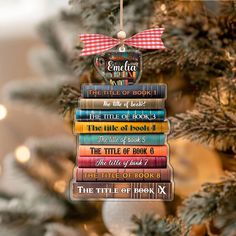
<point x="122" y="190"/>
<point x="120" y="127"/>
<point x="122" y="104"/>
<point x="132" y="91"/>
<point x="121" y="139"/>
<point x="122" y="162"/>
<point x="117" y="151"/>
<point x="120" y="115"/>
<point x="99" y="174"/>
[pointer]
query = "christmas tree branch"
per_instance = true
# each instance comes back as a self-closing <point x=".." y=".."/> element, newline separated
<point x="69" y="98"/>
<point x="213" y="120"/>
<point x="214" y="201"/>
<point x="150" y="225"/>
<point x="197" y="41"/>
<point x="41" y="93"/>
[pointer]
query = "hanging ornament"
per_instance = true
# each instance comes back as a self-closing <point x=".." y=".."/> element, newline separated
<point x="204" y="164"/>
<point x="117" y="214"/>
<point x="97" y="174"/>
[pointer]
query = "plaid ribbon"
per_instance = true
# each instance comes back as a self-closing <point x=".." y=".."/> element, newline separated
<point x="97" y="43"/>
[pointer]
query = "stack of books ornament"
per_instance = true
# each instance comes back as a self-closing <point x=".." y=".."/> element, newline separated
<point x="121" y="130"/>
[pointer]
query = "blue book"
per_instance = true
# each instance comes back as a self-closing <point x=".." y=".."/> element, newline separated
<point x="121" y="139"/>
<point x="122" y="91"/>
<point x="120" y="115"/>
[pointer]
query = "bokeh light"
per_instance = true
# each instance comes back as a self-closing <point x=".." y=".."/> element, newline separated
<point x="3" y="112"/>
<point x="60" y="186"/>
<point x="22" y="154"/>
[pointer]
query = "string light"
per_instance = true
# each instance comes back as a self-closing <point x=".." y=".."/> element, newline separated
<point x="60" y="186"/>
<point x="163" y="8"/>
<point x="3" y="112"/>
<point x="85" y="227"/>
<point x="22" y="154"/>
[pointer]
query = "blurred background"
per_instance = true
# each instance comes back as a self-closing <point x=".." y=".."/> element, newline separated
<point x="18" y="21"/>
<point x="40" y="77"/>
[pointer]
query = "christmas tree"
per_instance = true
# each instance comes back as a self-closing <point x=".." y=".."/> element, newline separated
<point x="199" y="68"/>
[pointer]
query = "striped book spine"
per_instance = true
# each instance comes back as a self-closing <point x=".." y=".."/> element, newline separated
<point x="123" y="91"/>
<point x="122" y="104"/>
<point x="122" y="162"/>
<point x="119" y="115"/>
<point x="122" y="190"/>
<point x="123" y="174"/>
<point x="120" y="127"/>
<point x="121" y="139"/>
<point x="117" y="151"/>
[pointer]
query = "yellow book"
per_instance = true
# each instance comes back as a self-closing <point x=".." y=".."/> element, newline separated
<point x="121" y="127"/>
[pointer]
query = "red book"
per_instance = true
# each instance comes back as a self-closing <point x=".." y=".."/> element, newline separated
<point x="122" y="162"/>
<point x="99" y="174"/>
<point x="117" y="151"/>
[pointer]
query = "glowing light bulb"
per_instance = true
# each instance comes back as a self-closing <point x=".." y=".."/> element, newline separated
<point x="22" y="154"/>
<point x="3" y="112"/>
<point x="163" y="7"/>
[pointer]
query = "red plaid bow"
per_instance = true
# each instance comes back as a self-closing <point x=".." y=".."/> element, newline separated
<point x="97" y="43"/>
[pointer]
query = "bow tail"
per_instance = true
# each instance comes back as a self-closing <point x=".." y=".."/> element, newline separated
<point x="96" y="43"/>
<point x="148" y="39"/>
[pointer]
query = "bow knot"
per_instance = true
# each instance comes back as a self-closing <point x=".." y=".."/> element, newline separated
<point x="97" y="43"/>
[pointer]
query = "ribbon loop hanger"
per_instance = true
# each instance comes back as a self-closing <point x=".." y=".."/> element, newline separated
<point x="98" y="43"/>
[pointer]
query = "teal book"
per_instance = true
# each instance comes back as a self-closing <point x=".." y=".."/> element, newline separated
<point x="120" y="115"/>
<point x="121" y="139"/>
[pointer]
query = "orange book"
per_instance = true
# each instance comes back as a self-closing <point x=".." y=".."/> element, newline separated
<point x="121" y="127"/>
<point x="118" y="151"/>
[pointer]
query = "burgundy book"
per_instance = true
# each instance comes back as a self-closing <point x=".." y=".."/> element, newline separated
<point x="115" y="174"/>
<point x="122" y="190"/>
<point x="122" y="162"/>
